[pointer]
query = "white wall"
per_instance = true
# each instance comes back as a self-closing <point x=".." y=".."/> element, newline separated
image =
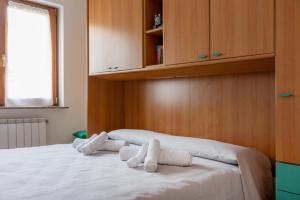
<point x="62" y="122"/>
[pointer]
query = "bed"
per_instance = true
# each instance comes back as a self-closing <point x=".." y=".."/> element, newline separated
<point x="59" y="172"/>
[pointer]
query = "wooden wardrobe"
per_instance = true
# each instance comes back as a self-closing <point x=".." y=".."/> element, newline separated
<point x="288" y="81"/>
<point x="287" y="99"/>
<point x="217" y="78"/>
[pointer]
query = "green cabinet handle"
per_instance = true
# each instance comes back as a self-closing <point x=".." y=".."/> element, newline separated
<point x="285" y="94"/>
<point x="216" y="54"/>
<point x="202" y="56"/>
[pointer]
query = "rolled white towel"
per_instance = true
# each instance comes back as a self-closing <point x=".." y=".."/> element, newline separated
<point x="139" y="157"/>
<point x="81" y="145"/>
<point x="166" y="157"/>
<point x="128" y="152"/>
<point x="151" y="160"/>
<point x="109" y="145"/>
<point x="113" y="145"/>
<point x="175" y="158"/>
<point x="93" y="145"/>
<point x="77" y="142"/>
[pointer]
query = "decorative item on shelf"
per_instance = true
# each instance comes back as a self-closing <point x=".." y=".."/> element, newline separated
<point x="159" y="54"/>
<point x="157" y="21"/>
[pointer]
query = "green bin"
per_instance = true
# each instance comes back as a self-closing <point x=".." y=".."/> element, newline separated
<point x="80" y="134"/>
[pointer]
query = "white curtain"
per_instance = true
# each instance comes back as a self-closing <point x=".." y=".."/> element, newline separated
<point x="29" y="56"/>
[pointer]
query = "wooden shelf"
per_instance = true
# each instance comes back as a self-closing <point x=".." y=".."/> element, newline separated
<point x="257" y="63"/>
<point x="153" y="66"/>
<point x="155" y="32"/>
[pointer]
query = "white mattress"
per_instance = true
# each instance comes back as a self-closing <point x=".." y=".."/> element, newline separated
<point x="59" y="172"/>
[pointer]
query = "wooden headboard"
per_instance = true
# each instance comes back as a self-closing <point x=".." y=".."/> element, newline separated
<point x="237" y="109"/>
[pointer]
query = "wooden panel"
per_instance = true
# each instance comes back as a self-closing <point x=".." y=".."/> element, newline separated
<point x="100" y="35"/>
<point x="186" y="30"/>
<point x="237" y="109"/>
<point x="161" y="105"/>
<point x="128" y="26"/>
<point x="3" y="4"/>
<point x="215" y="67"/>
<point x="115" y="34"/>
<point x="242" y="27"/>
<point x="287" y="79"/>
<point x="105" y="105"/>
<point x="54" y="37"/>
<point x="155" y="31"/>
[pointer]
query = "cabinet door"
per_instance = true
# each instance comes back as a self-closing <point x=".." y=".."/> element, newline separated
<point x="186" y="31"/>
<point x="115" y="35"/>
<point x="288" y="177"/>
<point x="288" y="81"/>
<point x="241" y="28"/>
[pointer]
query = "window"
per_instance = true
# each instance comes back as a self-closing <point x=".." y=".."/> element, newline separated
<point x="29" y="62"/>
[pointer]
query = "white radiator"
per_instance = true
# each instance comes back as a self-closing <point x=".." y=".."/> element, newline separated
<point x="18" y="133"/>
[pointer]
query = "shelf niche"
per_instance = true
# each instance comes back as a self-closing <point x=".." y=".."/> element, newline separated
<point x="153" y="37"/>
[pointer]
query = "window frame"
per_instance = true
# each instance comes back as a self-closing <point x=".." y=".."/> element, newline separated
<point x="53" y="12"/>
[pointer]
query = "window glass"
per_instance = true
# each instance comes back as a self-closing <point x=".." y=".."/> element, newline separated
<point x="29" y="56"/>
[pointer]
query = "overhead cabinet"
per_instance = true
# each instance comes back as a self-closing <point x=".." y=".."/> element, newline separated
<point x="186" y="24"/>
<point x="197" y="30"/>
<point x="115" y="35"/>
<point x="241" y="28"/>
<point x="123" y="36"/>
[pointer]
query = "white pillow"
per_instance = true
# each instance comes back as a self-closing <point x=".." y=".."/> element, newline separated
<point x="203" y="148"/>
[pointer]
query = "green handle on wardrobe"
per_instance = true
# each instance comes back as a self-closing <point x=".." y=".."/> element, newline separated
<point x="202" y="56"/>
<point x="216" y="54"/>
<point x="285" y="94"/>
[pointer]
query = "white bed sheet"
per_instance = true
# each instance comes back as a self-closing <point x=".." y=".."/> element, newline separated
<point x="58" y="172"/>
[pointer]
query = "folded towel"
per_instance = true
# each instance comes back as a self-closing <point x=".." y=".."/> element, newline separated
<point x="152" y="157"/>
<point x="92" y="146"/>
<point x="79" y="146"/>
<point x="166" y="157"/>
<point x="139" y="157"/>
<point x="113" y="145"/>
